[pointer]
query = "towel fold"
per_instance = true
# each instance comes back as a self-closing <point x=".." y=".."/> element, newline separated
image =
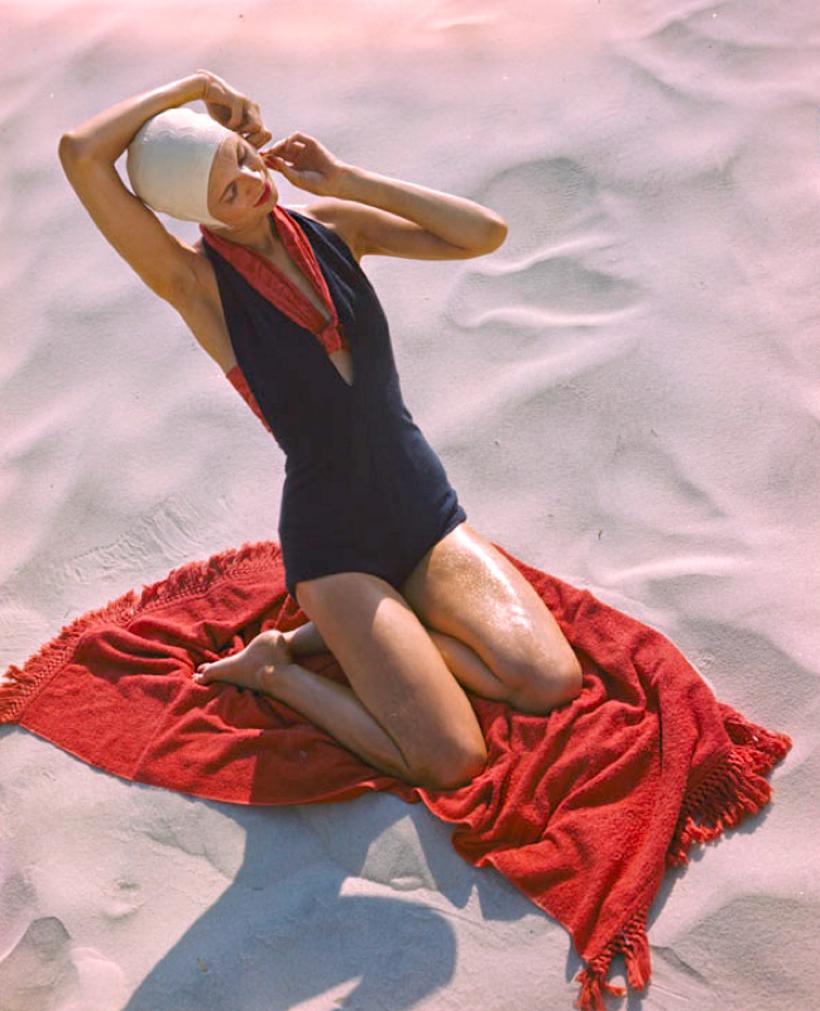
<point x="583" y="810"/>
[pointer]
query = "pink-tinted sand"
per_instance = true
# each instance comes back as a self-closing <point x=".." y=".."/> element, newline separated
<point x="625" y="393"/>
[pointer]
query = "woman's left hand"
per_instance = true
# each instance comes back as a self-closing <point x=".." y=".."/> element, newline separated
<point x="303" y="161"/>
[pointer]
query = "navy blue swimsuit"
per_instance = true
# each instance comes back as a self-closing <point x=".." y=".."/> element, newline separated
<point x="364" y="491"/>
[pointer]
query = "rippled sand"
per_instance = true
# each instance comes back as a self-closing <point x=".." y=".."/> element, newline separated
<point x="625" y="394"/>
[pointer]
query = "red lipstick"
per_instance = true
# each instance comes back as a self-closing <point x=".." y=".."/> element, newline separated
<point x="264" y="196"/>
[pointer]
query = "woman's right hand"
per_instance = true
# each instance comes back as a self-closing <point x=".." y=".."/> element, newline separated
<point x="232" y="109"/>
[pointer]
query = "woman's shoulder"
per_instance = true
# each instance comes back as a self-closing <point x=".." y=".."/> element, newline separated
<point x="327" y="212"/>
<point x="322" y="211"/>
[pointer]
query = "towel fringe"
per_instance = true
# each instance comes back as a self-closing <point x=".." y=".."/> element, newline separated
<point x="195" y="577"/>
<point x="19" y="684"/>
<point x="733" y="789"/>
<point x="633" y="943"/>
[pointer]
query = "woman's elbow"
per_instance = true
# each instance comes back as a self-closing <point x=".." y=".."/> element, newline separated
<point x="70" y="149"/>
<point x="500" y="233"/>
<point x="496" y="234"/>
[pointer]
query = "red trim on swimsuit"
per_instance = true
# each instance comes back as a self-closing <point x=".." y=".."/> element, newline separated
<point x="277" y="288"/>
<point x="272" y="283"/>
<point x="237" y="378"/>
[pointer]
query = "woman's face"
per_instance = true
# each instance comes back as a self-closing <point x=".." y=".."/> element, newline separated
<point x="237" y="184"/>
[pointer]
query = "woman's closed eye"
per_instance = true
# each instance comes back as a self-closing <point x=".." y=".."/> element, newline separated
<point x="240" y="161"/>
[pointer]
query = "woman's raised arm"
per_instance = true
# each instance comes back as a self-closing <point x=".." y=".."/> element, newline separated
<point x="88" y="153"/>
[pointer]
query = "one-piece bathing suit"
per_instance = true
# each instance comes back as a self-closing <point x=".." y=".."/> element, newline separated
<point x="364" y="491"/>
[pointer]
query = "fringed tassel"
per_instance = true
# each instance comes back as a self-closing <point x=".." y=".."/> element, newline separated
<point x="195" y="577"/>
<point x="766" y="747"/>
<point x="633" y="942"/>
<point x="590" y="998"/>
<point x="19" y="684"/>
<point x="733" y="789"/>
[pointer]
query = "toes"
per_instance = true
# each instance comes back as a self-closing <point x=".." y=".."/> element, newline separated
<point x="201" y="673"/>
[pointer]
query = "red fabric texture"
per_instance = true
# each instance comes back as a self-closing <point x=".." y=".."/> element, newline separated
<point x="583" y="809"/>
<point x="274" y="285"/>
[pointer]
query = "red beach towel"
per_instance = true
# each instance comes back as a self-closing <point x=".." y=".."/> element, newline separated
<point x="583" y="809"/>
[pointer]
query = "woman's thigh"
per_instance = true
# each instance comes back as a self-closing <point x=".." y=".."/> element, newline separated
<point x="395" y="668"/>
<point x="465" y="588"/>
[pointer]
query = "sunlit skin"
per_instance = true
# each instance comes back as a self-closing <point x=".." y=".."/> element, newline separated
<point x="237" y="179"/>
<point x="269" y="663"/>
<point x="370" y="626"/>
<point x="465" y="616"/>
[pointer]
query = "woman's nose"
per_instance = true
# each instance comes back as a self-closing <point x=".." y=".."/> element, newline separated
<point x="255" y="178"/>
<point x="251" y="173"/>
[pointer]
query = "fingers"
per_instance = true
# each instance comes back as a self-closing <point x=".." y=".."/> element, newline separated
<point x="287" y="171"/>
<point x="245" y="117"/>
<point x="279" y="148"/>
<point x="241" y="119"/>
<point x="297" y="141"/>
<point x="226" y="114"/>
<point x="234" y="110"/>
<point x="286" y="153"/>
<point x="258" y="137"/>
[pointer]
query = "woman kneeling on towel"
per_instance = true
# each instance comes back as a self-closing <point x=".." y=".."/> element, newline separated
<point x="411" y="600"/>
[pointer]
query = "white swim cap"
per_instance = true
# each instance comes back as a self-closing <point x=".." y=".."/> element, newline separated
<point x="169" y="163"/>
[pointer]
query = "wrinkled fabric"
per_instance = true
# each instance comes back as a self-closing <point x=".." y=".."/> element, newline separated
<point x="583" y="809"/>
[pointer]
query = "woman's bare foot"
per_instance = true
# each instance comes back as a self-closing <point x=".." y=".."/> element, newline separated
<point x="250" y="666"/>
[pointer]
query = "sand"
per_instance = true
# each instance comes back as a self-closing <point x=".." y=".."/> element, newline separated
<point x="625" y="394"/>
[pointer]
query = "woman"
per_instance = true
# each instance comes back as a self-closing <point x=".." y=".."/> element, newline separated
<point x="408" y="629"/>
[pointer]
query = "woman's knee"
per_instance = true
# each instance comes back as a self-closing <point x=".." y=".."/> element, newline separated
<point x="538" y="687"/>
<point x="451" y="767"/>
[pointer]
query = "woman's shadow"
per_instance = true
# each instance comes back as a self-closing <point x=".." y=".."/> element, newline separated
<point x="300" y="917"/>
